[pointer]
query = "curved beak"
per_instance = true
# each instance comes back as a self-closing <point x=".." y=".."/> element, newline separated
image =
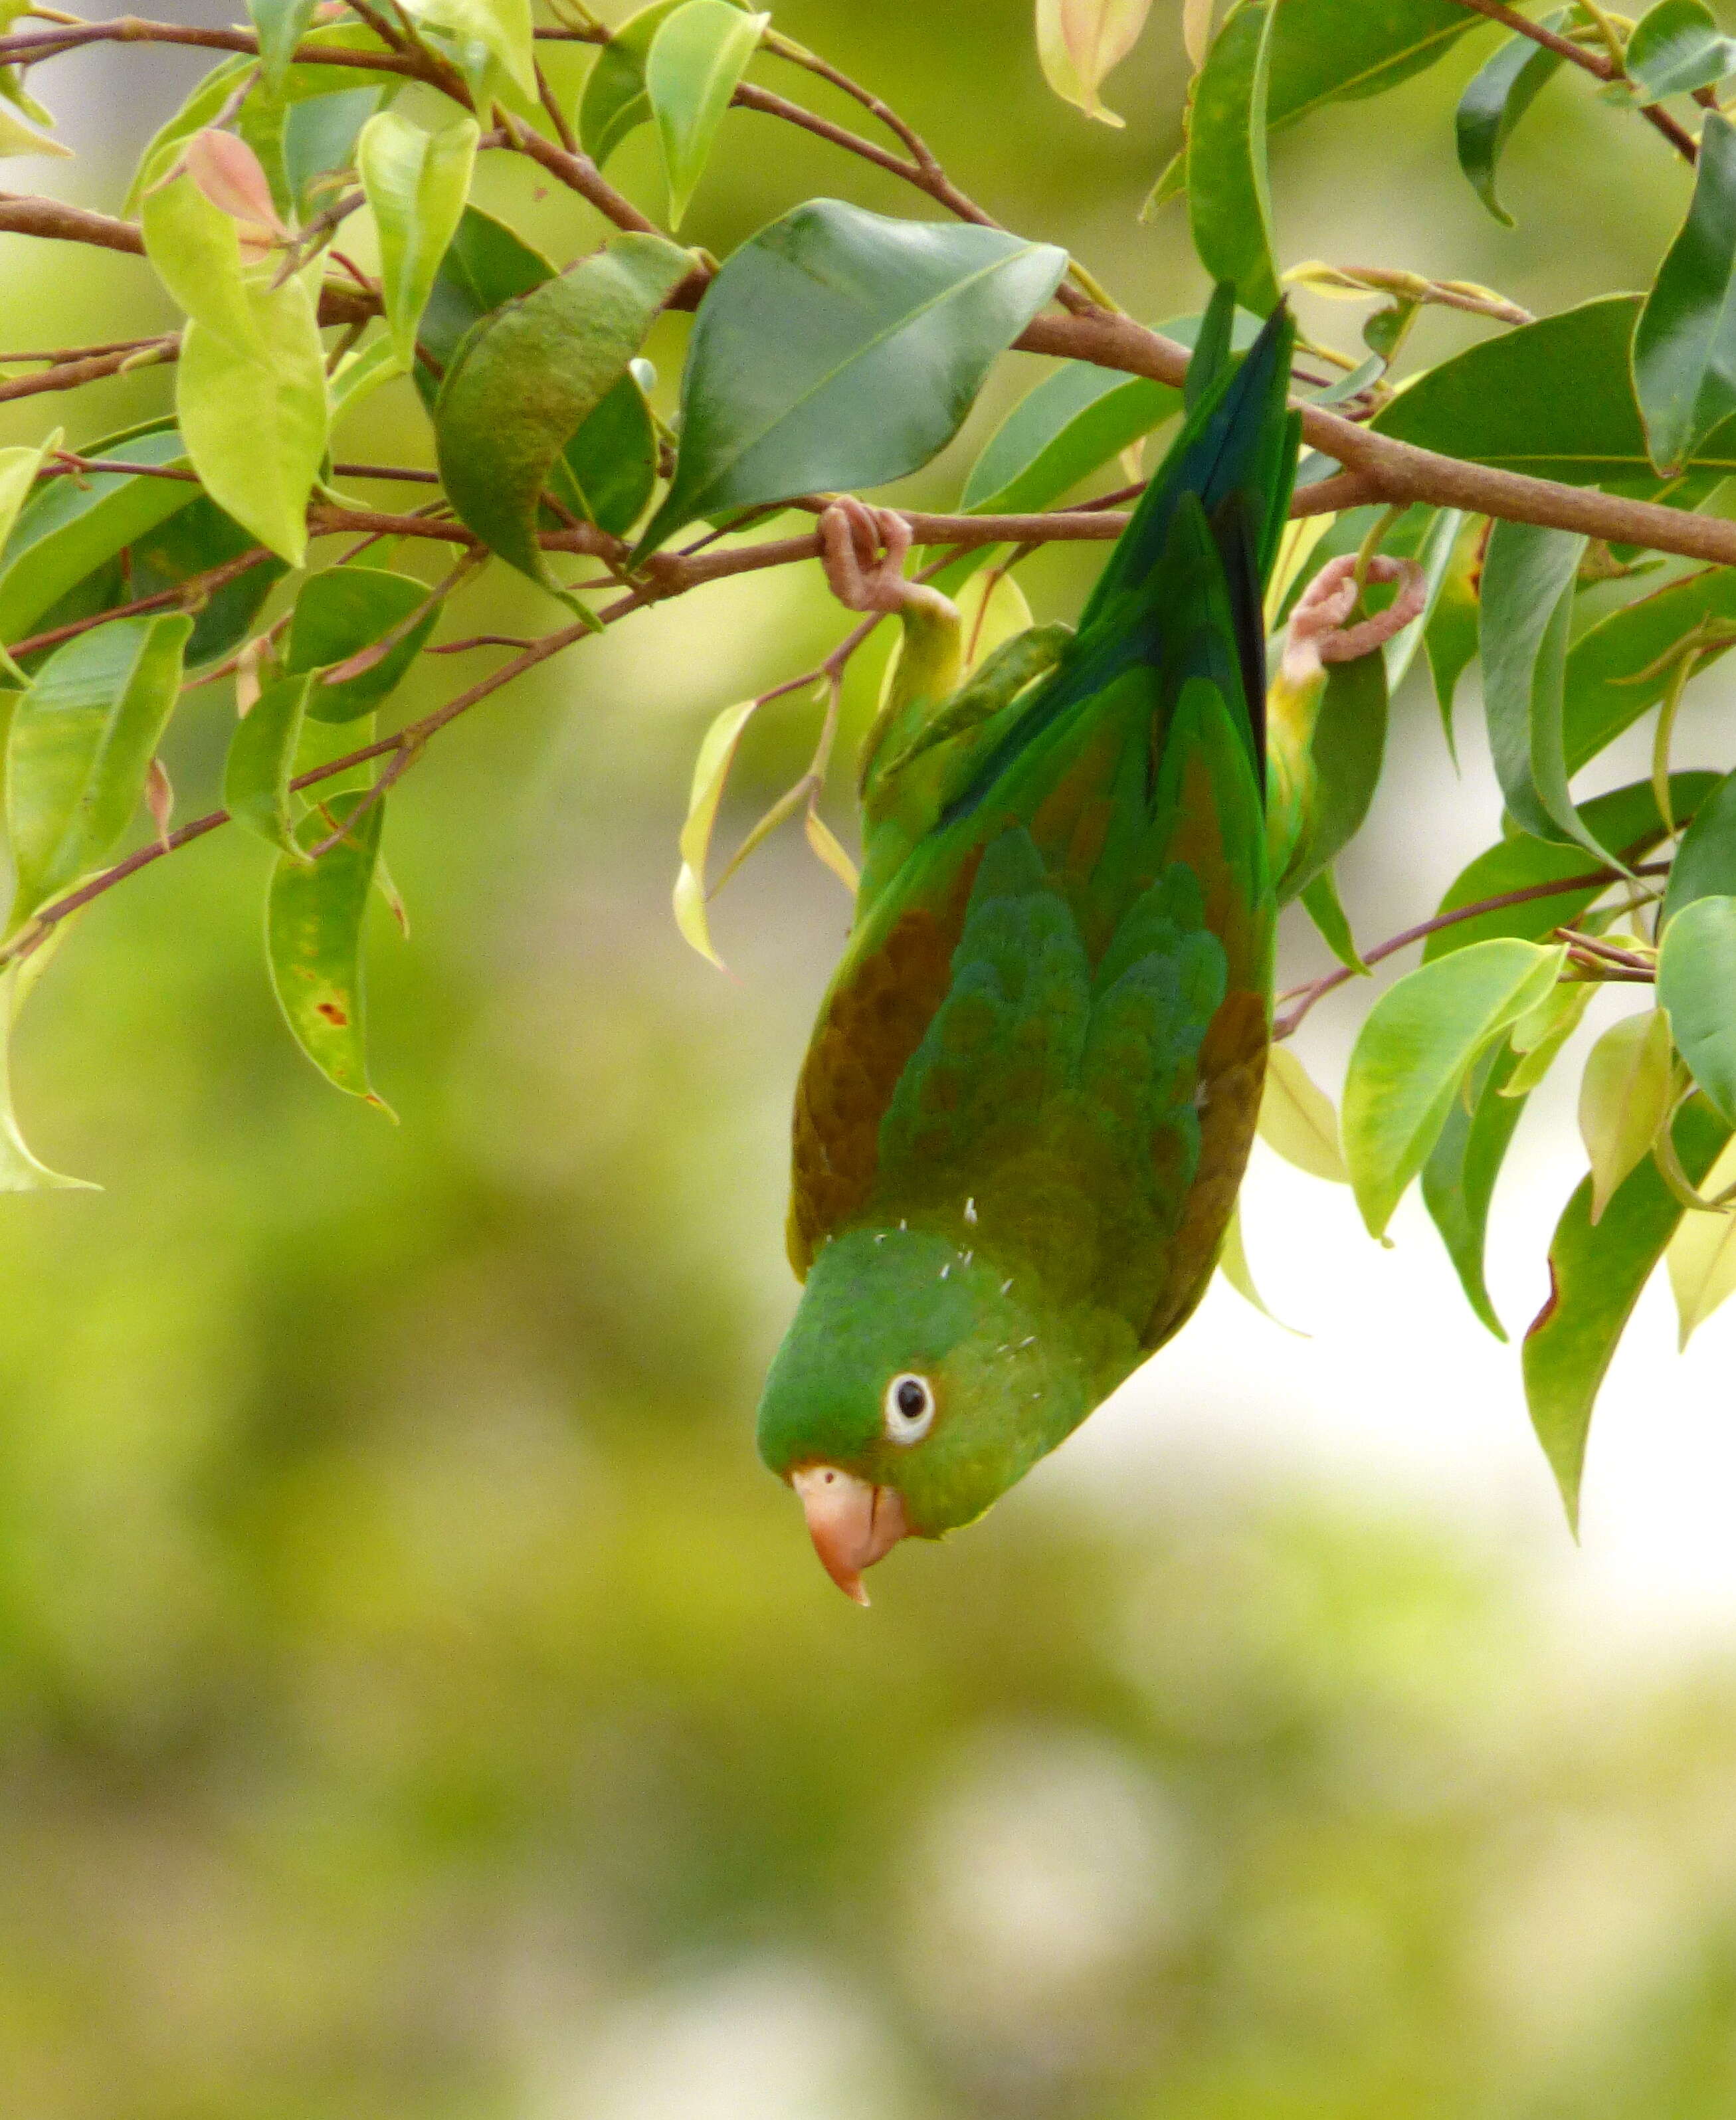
<point x="851" y="1523"/>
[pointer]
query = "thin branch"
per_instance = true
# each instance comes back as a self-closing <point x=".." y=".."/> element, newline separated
<point x="1306" y="997"/>
<point x="186" y="596"/>
<point x="1604" y="69"/>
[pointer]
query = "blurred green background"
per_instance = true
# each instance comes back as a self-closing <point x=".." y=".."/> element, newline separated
<point x="415" y="1703"/>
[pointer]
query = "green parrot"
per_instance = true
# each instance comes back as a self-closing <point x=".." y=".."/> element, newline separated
<point x="1033" y="1083"/>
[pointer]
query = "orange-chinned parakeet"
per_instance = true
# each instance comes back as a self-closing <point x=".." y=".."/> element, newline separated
<point x="1031" y="1089"/>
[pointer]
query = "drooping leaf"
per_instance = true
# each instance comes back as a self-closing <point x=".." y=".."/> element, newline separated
<point x="1627" y="818"/>
<point x="1324" y="52"/>
<point x="1229" y="201"/>
<point x="262" y="756"/>
<point x="615" y="103"/>
<point x="1624" y="1097"/>
<point x="21" y="1171"/>
<point x="1458" y="1178"/>
<point x="526" y="379"/>
<point x="1701" y="1255"/>
<point x="314" y="912"/>
<point x="1297" y="1118"/>
<point x="1684" y="348"/>
<point x="1621" y="666"/>
<point x="710" y="772"/>
<point x="195" y="250"/>
<point x="1232" y="1263"/>
<point x="1705" y="866"/>
<point x="1347" y="750"/>
<point x="1538" y="1036"/>
<point x="823" y="843"/>
<point x="1696" y="988"/>
<point x="607" y="470"/>
<point x="338" y="614"/>
<point x="1450" y="632"/>
<point x="254" y="419"/>
<point x="1434" y="555"/>
<point x="694" y="67"/>
<point x="1675" y="47"/>
<point x="1414" y="1050"/>
<point x="838" y="349"/>
<point x="1323" y="905"/>
<point x="1502" y="404"/>
<point x="417" y="182"/>
<point x="1079" y="42"/>
<point x="82" y="741"/>
<point x="1529" y="579"/>
<point x="1596" y="1273"/>
<point x="1498" y="96"/>
<point x="486" y="265"/>
<point x="71" y="528"/>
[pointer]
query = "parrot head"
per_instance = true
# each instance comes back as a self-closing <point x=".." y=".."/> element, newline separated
<point x="920" y="1379"/>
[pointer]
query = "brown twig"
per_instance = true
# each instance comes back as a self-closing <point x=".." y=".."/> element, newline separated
<point x="1306" y="997"/>
<point x="193" y="591"/>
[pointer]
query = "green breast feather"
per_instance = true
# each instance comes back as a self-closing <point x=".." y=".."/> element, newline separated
<point x="1031" y="1088"/>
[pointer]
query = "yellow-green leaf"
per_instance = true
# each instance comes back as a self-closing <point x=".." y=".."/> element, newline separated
<point x="1539" y="1036"/>
<point x="1701" y="1255"/>
<point x="1624" y="1097"/>
<point x="262" y="753"/>
<point x="1079" y="42"/>
<point x="21" y="1171"/>
<point x="1696" y="987"/>
<point x="254" y="416"/>
<point x="501" y="28"/>
<point x="1232" y="1263"/>
<point x="1297" y="1119"/>
<point x="695" y="62"/>
<point x="710" y="771"/>
<point x="824" y="843"/>
<point x="417" y="182"/>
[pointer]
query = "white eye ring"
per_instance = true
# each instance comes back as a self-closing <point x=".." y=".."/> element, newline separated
<point x="909" y="1407"/>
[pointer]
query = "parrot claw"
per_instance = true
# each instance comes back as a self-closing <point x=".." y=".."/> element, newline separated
<point x="1317" y="633"/>
<point x="864" y="576"/>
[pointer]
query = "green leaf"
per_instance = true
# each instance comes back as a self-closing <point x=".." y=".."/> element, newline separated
<point x="1684" y="347"/>
<point x="1705" y="866"/>
<point x="1696" y="987"/>
<point x="1626" y="818"/>
<point x="1503" y="404"/>
<point x="195" y="250"/>
<point x="1528" y="579"/>
<point x="1434" y="555"/>
<point x="486" y="265"/>
<point x="1348" y="747"/>
<point x="1414" y="1050"/>
<point x="82" y="741"/>
<point x="1498" y="96"/>
<point x="1701" y="1255"/>
<point x="211" y="92"/>
<point x="1458" y="1178"/>
<point x="607" y="470"/>
<point x="527" y="378"/>
<point x="262" y="756"/>
<point x="1595" y="1275"/>
<point x="1321" y="903"/>
<point x="1450" y="630"/>
<point x="1620" y="668"/>
<point x="314" y="935"/>
<point x="501" y="28"/>
<point x="1229" y="203"/>
<point x="1624" y="1098"/>
<point x="360" y="373"/>
<point x="1675" y="47"/>
<point x="20" y="1171"/>
<point x="710" y="774"/>
<point x="1324" y="52"/>
<point x="694" y="67"/>
<point x="1075" y="421"/>
<point x="343" y="610"/>
<point x="254" y="420"/>
<point x="281" y="24"/>
<point x="1297" y="1120"/>
<point x="1539" y="1037"/>
<point x="189" y="542"/>
<point x="615" y="103"/>
<point x="416" y="183"/>
<point x="320" y="137"/>
<point x="839" y="349"/>
<point x="70" y="527"/>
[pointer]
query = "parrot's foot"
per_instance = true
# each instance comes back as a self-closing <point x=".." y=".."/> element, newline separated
<point x="1317" y="633"/>
<point x="864" y="550"/>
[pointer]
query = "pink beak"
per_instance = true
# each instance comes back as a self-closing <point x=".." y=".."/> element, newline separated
<point x="851" y="1523"/>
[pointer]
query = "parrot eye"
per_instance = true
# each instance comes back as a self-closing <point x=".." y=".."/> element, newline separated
<point x="910" y="1408"/>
